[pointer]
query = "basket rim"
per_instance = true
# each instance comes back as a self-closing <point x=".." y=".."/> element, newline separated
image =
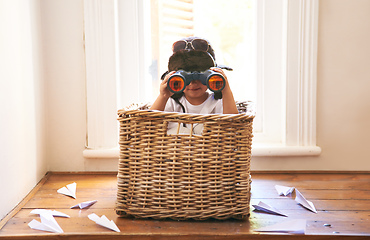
<point x="186" y="116"/>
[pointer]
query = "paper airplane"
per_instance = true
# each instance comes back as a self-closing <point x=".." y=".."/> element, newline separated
<point x="267" y="208"/>
<point x="296" y="226"/>
<point x="84" y="204"/>
<point x="305" y="203"/>
<point x="104" y="221"/>
<point x="69" y="190"/>
<point x="282" y="190"/>
<point x="48" y="223"/>
<point x="51" y="212"/>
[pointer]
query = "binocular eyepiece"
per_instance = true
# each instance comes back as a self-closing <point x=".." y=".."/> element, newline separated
<point x="180" y="79"/>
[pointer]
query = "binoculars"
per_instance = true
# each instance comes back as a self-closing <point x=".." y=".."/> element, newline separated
<point x="180" y="79"/>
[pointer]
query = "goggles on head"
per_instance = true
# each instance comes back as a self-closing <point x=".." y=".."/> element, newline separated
<point x="179" y="80"/>
<point x="195" y="44"/>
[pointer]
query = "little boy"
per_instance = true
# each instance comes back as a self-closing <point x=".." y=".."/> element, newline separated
<point x="194" y="54"/>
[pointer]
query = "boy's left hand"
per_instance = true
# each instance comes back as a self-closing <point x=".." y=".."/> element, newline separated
<point x="228" y="105"/>
<point x="219" y="70"/>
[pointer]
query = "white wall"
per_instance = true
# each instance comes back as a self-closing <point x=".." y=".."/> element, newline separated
<point x="343" y="99"/>
<point x="22" y="125"/>
<point x="63" y="42"/>
<point x="344" y="83"/>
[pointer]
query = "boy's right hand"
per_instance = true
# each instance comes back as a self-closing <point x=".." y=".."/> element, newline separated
<point x="163" y="89"/>
<point x="164" y="94"/>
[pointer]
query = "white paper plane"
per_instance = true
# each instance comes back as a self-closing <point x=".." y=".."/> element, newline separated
<point x="304" y="202"/>
<point x="52" y="212"/>
<point x="296" y="226"/>
<point x="283" y="190"/>
<point x="267" y="208"/>
<point x="84" y="204"/>
<point x="48" y="223"/>
<point x="104" y="221"/>
<point x="69" y="190"/>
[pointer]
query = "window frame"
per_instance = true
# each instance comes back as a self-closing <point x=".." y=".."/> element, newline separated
<point x="296" y="77"/>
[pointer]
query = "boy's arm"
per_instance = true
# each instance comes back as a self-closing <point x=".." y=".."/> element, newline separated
<point x="228" y="102"/>
<point x="160" y="103"/>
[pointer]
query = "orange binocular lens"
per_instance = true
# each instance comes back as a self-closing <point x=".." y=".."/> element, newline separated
<point x="176" y="84"/>
<point x="179" y="80"/>
<point x="216" y="83"/>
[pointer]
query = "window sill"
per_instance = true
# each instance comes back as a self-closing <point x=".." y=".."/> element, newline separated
<point x="284" y="151"/>
<point x="257" y="151"/>
<point x="101" y="153"/>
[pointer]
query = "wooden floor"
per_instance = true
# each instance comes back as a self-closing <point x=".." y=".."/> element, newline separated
<point x="342" y="202"/>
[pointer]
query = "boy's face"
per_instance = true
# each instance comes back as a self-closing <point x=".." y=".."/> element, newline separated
<point x="195" y="89"/>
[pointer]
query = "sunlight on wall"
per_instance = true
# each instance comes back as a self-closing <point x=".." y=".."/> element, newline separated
<point x="21" y="124"/>
<point x="230" y="27"/>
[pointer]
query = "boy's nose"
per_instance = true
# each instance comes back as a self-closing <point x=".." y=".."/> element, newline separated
<point x="195" y="82"/>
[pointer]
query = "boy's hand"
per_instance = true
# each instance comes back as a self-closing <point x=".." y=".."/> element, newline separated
<point x="163" y="89"/>
<point x="164" y="94"/>
<point x="219" y="70"/>
<point x="228" y="102"/>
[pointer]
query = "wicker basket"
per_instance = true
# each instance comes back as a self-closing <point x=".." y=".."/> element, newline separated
<point x="184" y="176"/>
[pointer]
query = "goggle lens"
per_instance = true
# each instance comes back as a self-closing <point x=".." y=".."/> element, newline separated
<point x="216" y="83"/>
<point x="196" y="44"/>
<point x="179" y="45"/>
<point x="200" y="44"/>
<point x="176" y="84"/>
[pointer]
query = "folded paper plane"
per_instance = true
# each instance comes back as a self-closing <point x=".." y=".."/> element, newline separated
<point x="296" y="226"/>
<point x="305" y="203"/>
<point x="84" y="204"/>
<point x="51" y="212"/>
<point x="104" y="221"/>
<point x="283" y="190"/>
<point x="69" y="190"/>
<point x="48" y="223"/>
<point x="269" y="209"/>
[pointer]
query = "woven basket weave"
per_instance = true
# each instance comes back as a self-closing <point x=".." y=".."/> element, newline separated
<point x="184" y="176"/>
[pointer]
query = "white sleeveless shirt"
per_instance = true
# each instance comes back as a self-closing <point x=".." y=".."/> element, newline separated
<point x="209" y="106"/>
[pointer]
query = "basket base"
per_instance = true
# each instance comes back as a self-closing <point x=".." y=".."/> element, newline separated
<point x="124" y="214"/>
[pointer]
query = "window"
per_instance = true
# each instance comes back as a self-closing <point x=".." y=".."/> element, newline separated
<point x="285" y="56"/>
<point x="229" y="26"/>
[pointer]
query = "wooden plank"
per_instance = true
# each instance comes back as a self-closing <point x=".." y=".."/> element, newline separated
<point x="85" y="192"/>
<point x="320" y="205"/>
<point x="190" y="235"/>
<point x="80" y="223"/>
<point x="66" y="202"/>
<point x="326" y="216"/>
<point x="318" y="176"/>
<point x="57" y="181"/>
<point x="293" y="214"/>
<point x="313" y="185"/>
<point x="173" y="228"/>
<point x="316" y="194"/>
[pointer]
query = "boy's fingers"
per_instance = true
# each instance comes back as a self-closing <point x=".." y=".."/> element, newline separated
<point x="170" y="74"/>
<point x="219" y="70"/>
<point x="167" y="77"/>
